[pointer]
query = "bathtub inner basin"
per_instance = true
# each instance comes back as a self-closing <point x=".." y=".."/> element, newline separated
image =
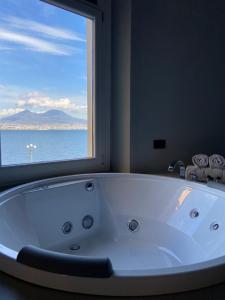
<point x="114" y="234"/>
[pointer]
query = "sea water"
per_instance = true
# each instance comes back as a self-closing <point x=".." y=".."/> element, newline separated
<point x="48" y="145"/>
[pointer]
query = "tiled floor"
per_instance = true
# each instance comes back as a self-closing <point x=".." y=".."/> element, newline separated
<point x="13" y="289"/>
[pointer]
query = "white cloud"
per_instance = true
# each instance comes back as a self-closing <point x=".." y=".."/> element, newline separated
<point x="34" y="44"/>
<point x="10" y="111"/>
<point x="42" y="103"/>
<point x="53" y="32"/>
<point x="14" y="99"/>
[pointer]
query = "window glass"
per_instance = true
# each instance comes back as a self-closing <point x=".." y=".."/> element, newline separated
<point x="45" y="83"/>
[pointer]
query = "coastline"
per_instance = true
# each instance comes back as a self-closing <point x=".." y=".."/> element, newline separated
<point x="42" y="128"/>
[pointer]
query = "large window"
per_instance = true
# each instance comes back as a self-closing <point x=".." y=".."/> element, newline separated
<point x="45" y="83"/>
<point x="53" y="86"/>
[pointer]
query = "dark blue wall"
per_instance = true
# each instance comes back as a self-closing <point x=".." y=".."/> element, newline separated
<point x="177" y="80"/>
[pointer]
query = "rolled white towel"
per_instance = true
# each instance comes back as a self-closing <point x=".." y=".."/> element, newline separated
<point x="195" y="173"/>
<point x="216" y="161"/>
<point x="201" y="174"/>
<point x="214" y="173"/>
<point x="200" y="160"/>
<point x="190" y="173"/>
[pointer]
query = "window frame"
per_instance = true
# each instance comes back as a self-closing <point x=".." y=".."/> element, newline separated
<point x="100" y="162"/>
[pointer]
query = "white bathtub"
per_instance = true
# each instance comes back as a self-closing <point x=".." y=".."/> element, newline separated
<point x="114" y="234"/>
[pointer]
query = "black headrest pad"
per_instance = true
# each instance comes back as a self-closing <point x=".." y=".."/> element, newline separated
<point x="55" y="262"/>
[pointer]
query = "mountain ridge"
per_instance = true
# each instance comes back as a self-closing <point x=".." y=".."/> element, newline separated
<point x="52" y="118"/>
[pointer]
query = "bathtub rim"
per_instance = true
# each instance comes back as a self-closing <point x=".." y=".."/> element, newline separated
<point x="135" y="273"/>
<point x="113" y="286"/>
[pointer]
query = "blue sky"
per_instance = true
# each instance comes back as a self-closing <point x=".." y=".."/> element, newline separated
<point x="42" y="58"/>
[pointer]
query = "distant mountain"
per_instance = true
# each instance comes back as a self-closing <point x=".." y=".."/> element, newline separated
<point x="50" y="119"/>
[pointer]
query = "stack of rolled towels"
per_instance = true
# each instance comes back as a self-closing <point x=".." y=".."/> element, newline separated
<point x="206" y="168"/>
